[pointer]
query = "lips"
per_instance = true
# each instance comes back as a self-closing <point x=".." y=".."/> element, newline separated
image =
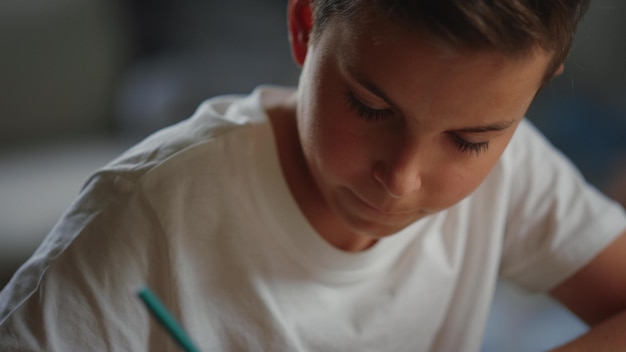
<point x="385" y="211"/>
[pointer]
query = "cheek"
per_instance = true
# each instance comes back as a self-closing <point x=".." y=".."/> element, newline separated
<point x="340" y="155"/>
<point x="333" y="150"/>
<point x="450" y="185"/>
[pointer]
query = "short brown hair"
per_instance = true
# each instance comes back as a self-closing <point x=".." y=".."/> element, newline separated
<point x="512" y="26"/>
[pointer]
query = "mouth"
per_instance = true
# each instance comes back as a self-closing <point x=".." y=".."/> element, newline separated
<point x="387" y="211"/>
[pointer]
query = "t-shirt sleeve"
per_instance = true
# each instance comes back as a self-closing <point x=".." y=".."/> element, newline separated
<point x="77" y="292"/>
<point x="557" y="222"/>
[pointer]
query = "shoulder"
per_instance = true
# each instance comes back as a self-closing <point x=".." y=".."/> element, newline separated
<point x="529" y="146"/>
<point x="536" y="171"/>
<point x="221" y="128"/>
<point x="213" y="119"/>
<point x="556" y="220"/>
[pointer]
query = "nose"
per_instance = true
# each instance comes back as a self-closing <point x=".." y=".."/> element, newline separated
<point x="398" y="179"/>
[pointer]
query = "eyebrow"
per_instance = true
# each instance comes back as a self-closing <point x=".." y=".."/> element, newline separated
<point x="365" y="83"/>
<point x="494" y="127"/>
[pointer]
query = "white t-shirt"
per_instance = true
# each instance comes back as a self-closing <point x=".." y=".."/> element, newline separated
<point x="201" y="213"/>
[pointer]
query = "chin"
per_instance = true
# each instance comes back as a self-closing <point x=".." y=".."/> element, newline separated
<point x="379" y="230"/>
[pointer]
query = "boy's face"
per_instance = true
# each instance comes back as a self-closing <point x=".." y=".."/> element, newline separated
<point x="394" y="129"/>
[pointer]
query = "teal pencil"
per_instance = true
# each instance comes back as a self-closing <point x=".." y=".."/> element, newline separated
<point x="166" y="319"/>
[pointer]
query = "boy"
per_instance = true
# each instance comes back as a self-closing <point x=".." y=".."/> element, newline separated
<point x="372" y="209"/>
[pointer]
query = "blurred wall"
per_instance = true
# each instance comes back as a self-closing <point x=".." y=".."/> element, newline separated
<point x="59" y="63"/>
<point x="194" y="49"/>
<point x="583" y="112"/>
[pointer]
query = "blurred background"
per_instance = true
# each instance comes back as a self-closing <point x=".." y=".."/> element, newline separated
<point x="82" y="80"/>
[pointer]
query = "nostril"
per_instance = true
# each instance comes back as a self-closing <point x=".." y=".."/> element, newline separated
<point x="397" y="185"/>
<point x="380" y="175"/>
<point x="378" y="172"/>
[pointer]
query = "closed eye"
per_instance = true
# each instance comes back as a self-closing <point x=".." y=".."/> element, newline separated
<point x="467" y="147"/>
<point x="365" y="112"/>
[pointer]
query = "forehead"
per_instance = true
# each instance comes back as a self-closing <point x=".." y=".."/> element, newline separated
<point x="368" y="32"/>
<point x="429" y="78"/>
<point x="368" y="16"/>
<point x="369" y="35"/>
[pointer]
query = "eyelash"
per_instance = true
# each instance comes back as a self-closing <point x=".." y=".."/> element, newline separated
<point x="374" y="115"/>
<point x="466" y="147"/>
<point x="364" y="111"/>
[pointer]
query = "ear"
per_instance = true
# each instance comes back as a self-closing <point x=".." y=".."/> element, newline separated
<point x="300" y="21"/>
<point x="559" y="70"/>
